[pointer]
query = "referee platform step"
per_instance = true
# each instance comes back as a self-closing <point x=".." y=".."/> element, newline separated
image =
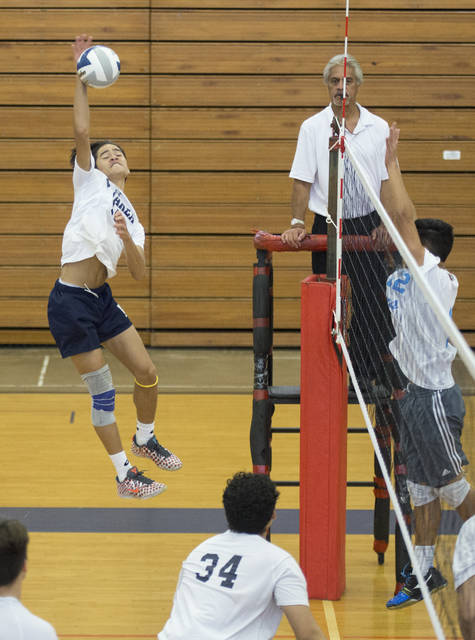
<point x="291" y="395"/>
<point x="284" y="395"/>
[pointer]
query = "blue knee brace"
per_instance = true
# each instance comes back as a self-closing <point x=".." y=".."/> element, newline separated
<point x="102" y="393"/>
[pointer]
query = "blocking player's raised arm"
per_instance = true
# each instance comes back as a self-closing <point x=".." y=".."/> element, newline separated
<point x="396" y="199"/>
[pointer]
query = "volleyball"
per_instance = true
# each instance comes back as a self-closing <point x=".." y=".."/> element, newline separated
<point x="98" y="67"/>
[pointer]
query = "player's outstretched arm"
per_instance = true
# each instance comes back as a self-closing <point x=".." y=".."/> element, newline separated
<point x="396" y="199"/>
<point x="302" y="622"/>
<point x="81" y="107"/>
<point x="134" y="254"/>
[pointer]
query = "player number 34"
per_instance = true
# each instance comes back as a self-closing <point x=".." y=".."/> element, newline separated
<point x="227" y="571"/>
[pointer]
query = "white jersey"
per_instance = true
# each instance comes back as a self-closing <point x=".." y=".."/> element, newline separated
<point x="90" y="230"/>
<point x="17" y="623"/>
<point x="311" y="160"/>
<point x="231" y="587"/>
<point x="421" y="346"/>
<point x="463" y="566"/>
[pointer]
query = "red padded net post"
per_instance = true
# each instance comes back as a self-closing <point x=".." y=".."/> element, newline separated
<point x="323" y="435"/>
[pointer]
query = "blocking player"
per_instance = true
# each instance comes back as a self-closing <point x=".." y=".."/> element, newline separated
<point x="16" y="622"/>
<point x="82" y="313"/>
<point x="236" y="585"/>
<point x="432" y="408"/>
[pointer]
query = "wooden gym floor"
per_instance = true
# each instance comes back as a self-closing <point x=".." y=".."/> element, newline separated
<point x="104" y="568"/>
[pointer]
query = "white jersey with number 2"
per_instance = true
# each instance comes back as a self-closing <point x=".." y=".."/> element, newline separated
<point x="421" y="346"/>
<point x="231" y="587"/>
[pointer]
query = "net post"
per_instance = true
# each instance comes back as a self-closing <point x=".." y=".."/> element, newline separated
<point x="323" y="443"/>
<point x="262" y="407"/>
<point x="332" y="201"/>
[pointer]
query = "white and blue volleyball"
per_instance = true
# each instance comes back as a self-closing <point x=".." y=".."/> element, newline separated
<point x="98" y="67"/>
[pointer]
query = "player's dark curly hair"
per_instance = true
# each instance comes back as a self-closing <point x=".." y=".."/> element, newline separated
<point x="95" y="146"/>
<point x="436" y="235"/>
<point x="13" y="544"/>
<point x="249" y="502"/>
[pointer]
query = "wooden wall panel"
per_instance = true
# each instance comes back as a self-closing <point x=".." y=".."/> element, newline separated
<point x="43" y="57"/>
<point x="28" y="154"/>
<point x="56" y="4"/>
<point x="300" y="91"/>
<point x="42" y="250"/>
<point x="277" y="155"/>
<point x="186" y="282"/>
<point x="55" y="122"/>
<point x="208" y="107"/>
<point x="307" y="58"/>
<point x="21" y="281"/>
<point x="59" y="90"/>
<point x="234" y="251"/>
<point x="169" y="218"/>
<point x="33" y="312"/>
<point x="243" y="218"/>
<point x="48" y="217"/>
<point x="235" y="313"/>
<point x="226" y="313"/>
<point x="286" y="4"/>
<point x="44" y="187"/>
<point x="308" y="25"/>
<point x="104" y="23"/>
<point x="284" y="123"/>
<point x="275" y="188"/>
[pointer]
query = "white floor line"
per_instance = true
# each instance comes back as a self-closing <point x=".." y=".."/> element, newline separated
<point x="330" y="618"/>
<point x="44" y="367"/>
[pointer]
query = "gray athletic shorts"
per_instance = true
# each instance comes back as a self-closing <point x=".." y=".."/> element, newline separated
<point x="430" y="429"/>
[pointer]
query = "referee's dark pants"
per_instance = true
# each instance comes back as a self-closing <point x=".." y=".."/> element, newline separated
<point x="371" y="327"/>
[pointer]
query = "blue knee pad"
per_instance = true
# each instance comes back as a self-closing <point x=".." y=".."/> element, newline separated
<point x="102" y="393"/>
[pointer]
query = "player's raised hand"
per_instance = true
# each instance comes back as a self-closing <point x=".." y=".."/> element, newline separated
<point x="391" y="144"/>
<point x="80" y="44"/>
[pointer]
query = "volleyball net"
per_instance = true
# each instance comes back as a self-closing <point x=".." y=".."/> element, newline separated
<point x="383" y="386"/>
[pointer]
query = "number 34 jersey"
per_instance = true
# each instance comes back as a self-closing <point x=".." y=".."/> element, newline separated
<point x="231" y="587"/>
<point x="421" y="346"/>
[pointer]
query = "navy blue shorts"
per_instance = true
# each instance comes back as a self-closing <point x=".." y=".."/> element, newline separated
<point x="81" y="320"/>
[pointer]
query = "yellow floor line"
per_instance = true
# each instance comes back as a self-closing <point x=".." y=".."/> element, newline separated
<point x="333" y="633"/>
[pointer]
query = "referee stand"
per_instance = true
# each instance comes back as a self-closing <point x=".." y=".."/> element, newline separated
<point x="323" y="425"/>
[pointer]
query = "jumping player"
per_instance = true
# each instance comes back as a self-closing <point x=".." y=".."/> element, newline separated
<point x="82" y="313"/>
<point x="432" y="408"/>
<point x="237" y="584"/>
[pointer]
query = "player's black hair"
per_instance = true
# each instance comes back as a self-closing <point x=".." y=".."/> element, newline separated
<point x="249" y="502"/>
<point x="95" y="146"/>
<point x="436" y="235"/>
<point x="13" y="544"/>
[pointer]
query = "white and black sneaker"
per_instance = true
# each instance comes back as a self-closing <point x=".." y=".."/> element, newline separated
<point x="411" y="593"/>
<point x="136" y="485"/>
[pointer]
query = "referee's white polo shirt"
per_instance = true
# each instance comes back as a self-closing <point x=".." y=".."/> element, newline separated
<point x="311" y="161"/>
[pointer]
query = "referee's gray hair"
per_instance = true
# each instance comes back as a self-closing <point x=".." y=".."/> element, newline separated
<point x="340" y="60"/>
